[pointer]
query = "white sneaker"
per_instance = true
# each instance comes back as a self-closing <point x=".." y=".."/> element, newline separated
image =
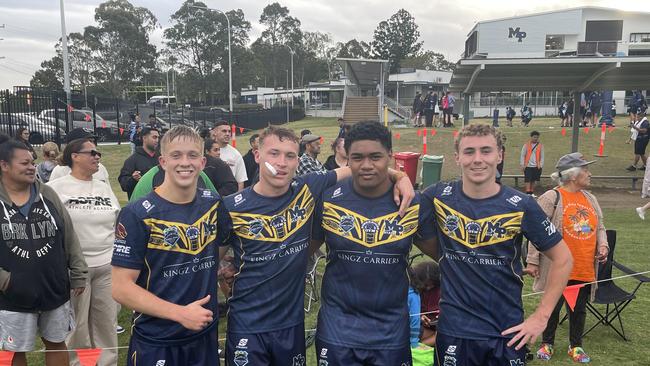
<point x="640" y="212"/>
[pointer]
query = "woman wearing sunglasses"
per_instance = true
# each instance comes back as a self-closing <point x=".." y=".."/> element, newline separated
<point x="93" y="207"/>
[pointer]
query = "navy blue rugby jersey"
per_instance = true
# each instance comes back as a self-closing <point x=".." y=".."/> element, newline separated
<point x="365" y="285"/>
<point x="481" y="269"/>
<point x="176" y="249"/>
<point x="270" y="245"/>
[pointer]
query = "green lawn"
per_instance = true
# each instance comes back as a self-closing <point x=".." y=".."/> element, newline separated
<point x="602" y="344"/>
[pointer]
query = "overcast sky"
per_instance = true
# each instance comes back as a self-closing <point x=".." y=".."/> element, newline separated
<point x="32" y="27"/>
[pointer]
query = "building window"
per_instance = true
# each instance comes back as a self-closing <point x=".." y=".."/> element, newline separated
<point x="471" y="45"/>
<point x="639" y="37"/>
<point x="554" y="42"/>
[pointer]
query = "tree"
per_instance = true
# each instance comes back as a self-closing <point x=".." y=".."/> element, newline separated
<point x="50" y="75"/>
<point x="353" y="49"/>
<point x="396" y="38"/>
<point x="199" y="39"/>
<point x="430" y="59"/>
<point x="119" y="46"/>
<point x="280" y="29"/>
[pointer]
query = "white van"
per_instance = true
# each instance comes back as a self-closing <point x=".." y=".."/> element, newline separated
<point x="162" y="99"/>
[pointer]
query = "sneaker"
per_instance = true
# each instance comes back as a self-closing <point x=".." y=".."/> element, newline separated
<point x="545" y="352"/>
<point x="578" y="354"/>
<point x="640" y="212"/>
<point x="119" y="330"/>
<point x="631" y="168"/>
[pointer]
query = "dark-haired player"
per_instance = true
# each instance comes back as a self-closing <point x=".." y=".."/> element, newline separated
<point x="364" y="316"/>
<point x="272" y="223"/>
<point x="481" y="313"/>
<point x="165" y="261"/>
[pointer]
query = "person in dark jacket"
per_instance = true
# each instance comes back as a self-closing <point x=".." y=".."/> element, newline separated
<point x="41" y="262"/>
<point x="219" y="172"/>
<point x="429" y="107"/>
<point x="417" y="109"/>
<point x="249" y="159"/>
<point x="139" y="163"/>
<point x="22" y="135"/>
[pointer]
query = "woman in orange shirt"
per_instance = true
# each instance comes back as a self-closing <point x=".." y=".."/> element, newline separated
<point x="577" y="216"/>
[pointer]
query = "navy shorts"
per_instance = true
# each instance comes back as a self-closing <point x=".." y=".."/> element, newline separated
<point x="280" y="347"/>
<point x="532" y="174"/>
<point x="640" y="145"/>
<point x="471" y="352"/>
<point x="332" y="355"/>
<point x="202" y="351"/>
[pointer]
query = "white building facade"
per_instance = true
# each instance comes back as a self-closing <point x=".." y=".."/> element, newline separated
<point x="578" y="32"/>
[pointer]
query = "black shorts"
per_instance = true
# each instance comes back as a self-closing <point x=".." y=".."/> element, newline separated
<point x="639" y="146"/>
<point x="532" y="174"/>
<point x="471" y="352"/>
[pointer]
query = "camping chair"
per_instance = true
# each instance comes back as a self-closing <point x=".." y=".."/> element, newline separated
<point x="609" y="294"/>
<point x="311" y="280"/>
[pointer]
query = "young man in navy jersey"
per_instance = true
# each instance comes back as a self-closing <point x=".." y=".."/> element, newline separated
<point x="165" y="261"/>
<point x="272" y="223"/>
<point x="481" y="313"/>
<point x="364" y="315"/>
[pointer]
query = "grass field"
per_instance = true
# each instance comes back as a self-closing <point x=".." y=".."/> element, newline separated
<point x="604" y="346"/>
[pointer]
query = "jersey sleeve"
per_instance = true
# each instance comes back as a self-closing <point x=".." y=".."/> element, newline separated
<point x="131" y="238"/>
<point x="317" y="232"/>
<point x="538" y="228"/>
<point x="224" y="226"/>
<point x="318" y="182"/>
<point x="426" y="219"/>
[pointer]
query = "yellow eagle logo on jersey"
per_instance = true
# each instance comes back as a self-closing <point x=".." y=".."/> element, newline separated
<point x="184" y="238"/>
<point x="277" y="227"/>
<point x="366" y="231"/>
<point x="475" y="233"/>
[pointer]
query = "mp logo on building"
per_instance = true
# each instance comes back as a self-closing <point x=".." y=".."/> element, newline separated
<point x="516" y="33"/>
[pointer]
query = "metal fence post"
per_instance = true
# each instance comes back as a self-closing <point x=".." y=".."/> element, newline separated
<point x="117" y="112"/>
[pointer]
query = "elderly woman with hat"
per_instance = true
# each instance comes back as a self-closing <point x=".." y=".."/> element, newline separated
<point x="577" y="216"/>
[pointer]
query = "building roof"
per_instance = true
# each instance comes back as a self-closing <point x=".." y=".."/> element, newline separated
<point x="364" y="71"/>
<point x="570" y="74"/>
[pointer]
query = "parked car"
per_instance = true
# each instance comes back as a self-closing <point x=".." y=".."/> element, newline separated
<point x="106" y="130"/>
<point x="39" y="131"/>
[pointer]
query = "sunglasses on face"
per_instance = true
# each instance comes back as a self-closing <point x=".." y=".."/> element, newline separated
<point x="93" y="153"/>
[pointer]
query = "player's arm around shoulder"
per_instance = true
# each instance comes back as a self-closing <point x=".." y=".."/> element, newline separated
<point x="426" y="238"/>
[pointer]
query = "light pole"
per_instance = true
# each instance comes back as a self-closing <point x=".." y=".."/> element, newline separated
<point x="229" y="51"/>
<point x="66" y="67"/>
<point x="292" y="53"/>
<point x="291" y="95"/>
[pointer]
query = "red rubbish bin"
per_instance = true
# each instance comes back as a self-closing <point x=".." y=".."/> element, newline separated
<point x="407" y="162"/>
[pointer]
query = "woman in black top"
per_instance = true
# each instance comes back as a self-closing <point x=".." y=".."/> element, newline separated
<point x="339" y="158"/>
<point x="22" y="135"/>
